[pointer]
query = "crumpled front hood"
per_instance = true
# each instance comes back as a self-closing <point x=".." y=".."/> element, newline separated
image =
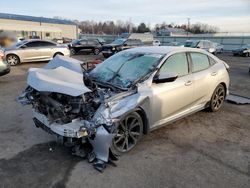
<point x="61" y="75"/>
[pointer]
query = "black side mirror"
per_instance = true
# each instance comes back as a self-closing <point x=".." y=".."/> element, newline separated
<point x="125" y="44"/>
<point x="166" y="77"/>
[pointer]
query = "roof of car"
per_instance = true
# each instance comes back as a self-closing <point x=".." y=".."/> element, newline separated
<point x="163" y="49"/>
<point x="33" y="40"/>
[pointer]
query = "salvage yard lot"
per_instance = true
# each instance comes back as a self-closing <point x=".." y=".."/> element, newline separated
<point x="201" y="150"/>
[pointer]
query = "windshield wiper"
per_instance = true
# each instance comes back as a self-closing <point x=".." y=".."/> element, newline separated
<point x="113" y="86"/>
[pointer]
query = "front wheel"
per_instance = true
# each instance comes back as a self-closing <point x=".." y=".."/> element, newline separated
<point x="129" y="131"/>
<point x="13" y="59"/>
<point x="217" y="98"/>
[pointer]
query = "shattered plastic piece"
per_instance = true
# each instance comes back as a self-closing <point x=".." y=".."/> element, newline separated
<point x="99" y="165"/>
<point x="237" y="99"/>
<point x="101" y="143"/>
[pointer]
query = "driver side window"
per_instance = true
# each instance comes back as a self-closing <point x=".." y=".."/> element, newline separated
<point x="176" y="64"/>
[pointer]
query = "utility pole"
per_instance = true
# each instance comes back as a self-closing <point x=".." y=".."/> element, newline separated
<point x="188" y="26"/>
<point x="129" y="26"/>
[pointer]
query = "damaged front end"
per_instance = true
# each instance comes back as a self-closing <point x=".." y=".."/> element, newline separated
<point x="77" y="112"/>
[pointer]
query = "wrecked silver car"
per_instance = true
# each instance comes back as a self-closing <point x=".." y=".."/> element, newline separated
<point x="108" y="109"/>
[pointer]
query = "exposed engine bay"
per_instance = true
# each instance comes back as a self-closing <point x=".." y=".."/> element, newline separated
<point x="81" y="116"/>
<point x="61" y="108"/>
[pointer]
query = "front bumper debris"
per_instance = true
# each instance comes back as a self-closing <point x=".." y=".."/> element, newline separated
<point x="98" y="136"/>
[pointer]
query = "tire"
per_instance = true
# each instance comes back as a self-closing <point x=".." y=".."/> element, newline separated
<point x="247" y="54"/>
<point x="106" y="55"/>
<point x="58" y="53"/>
<point x="96" y="51"/>
<point x="13" y="59"/>
<point x="217" y="98"/>
<point x="129" y="132"/>
<point x="72" y="51"/>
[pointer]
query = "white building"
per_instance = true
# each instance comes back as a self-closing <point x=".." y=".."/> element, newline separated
<point x="34" y="27"/>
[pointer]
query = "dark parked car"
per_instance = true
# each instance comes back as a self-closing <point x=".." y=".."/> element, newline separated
<point x="242" y="51"/>
<point x="4" y="66"/>
<point x="119" y="45"/>
<point x="89" y="45"/>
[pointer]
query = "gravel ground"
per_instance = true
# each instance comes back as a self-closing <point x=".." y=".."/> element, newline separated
<point x="202" y="150"/>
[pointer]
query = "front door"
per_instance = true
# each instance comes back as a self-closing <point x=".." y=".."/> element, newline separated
<point x="30" y="51"/>
<point x="172" y="99"/>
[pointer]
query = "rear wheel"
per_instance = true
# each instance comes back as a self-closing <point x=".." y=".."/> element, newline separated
<point x="96" y="51"/>
<point x="13" y="59"/>
<point x="129" y="131"/>
<point x="72" y="51"/>
<point x="106" y="55"/>
<point x="217" y="98"/>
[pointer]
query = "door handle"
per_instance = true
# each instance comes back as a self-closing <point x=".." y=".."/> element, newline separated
<point x="213" y="73"/>
<point x="188" y="83"/>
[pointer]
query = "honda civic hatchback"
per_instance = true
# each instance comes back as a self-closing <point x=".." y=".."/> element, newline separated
<point x="128" y="95"/>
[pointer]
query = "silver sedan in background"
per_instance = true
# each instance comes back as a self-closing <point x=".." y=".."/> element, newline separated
<point x="34" y="50"/>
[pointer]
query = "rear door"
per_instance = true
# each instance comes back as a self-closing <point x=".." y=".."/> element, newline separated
<point x="92" y="44"/>
<point x="171" y="100"/>
<point x="47" y="49"/>
<point x="203" y="78"/>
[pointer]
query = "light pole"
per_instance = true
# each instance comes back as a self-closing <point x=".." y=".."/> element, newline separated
<point x="188" y="19"/>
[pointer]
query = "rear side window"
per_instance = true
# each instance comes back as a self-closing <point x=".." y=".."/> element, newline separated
<point x="212" y="61"/>
<point x="176" y="64"/>
<point x="83" y="42"/>
<point x="92" y="42"/>
<point x="33" y="44"/>
<point x="199" y="61"/>
<point x="44" y="43"/>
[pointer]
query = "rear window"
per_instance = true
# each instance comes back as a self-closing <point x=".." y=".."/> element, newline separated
<point x="199" y="61"/>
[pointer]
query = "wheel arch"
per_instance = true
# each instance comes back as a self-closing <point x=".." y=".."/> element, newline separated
<point x="225" y="87"/>
<point x="144" y="118"/>
<point x="58" y="53"/>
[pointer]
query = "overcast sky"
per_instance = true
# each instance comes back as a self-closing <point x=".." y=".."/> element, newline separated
<point x="228" y="15"/>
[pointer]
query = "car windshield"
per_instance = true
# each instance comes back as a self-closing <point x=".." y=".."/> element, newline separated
<point x="246" y="46"/>
<point x="101" y="40"/>
<point x="191" y="44"/>
<point x="124" y="68"/>
<point x="118" y="41"/>
<point x="18" y="44"/>
<point x="76" y="41"/>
